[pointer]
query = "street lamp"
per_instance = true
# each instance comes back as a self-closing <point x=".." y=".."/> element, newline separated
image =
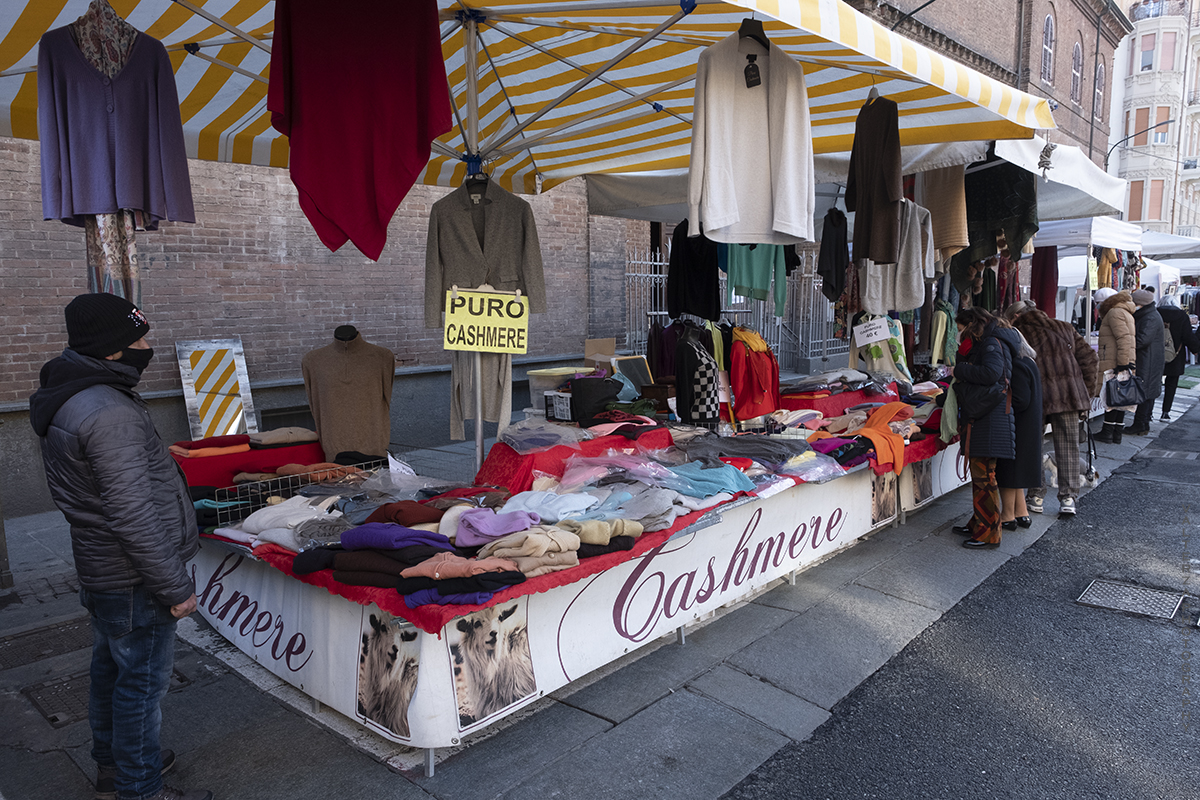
<point x="1130" y="136"/>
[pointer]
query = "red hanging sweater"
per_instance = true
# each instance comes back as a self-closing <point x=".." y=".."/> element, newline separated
<point x="360" y="91"/>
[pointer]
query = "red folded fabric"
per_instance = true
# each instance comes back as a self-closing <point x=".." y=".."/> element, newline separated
<point x="215" y="441"/>
<point x="740" y="463"/>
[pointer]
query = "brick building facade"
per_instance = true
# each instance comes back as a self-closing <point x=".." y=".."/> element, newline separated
<point x="252" y="267"/>
<point x="1058" y="49"/>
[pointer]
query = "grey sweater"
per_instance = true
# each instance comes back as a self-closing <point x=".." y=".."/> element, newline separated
<point x="110" y="143"/>
<point x="508" y="259"/>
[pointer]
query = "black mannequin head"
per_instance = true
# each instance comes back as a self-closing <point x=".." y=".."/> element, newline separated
<point x="345" y="333"/>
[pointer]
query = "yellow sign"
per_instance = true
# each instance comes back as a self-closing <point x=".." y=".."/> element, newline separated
<point x="486" y="323"/>
<point x="1093" y="274"/>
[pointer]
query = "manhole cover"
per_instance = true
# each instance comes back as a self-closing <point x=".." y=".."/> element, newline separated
<point x="31" y="646"/>
<point x="65" y="700"/>
<point x="1134" y="599"/>
<point x="61" y="701"/>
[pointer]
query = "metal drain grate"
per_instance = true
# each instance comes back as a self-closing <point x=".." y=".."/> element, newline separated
<point x="1148" y="453"/>
<point x="61" y="701"/>
<point x="1134" y="599"/>
<point x="26" y="648"/>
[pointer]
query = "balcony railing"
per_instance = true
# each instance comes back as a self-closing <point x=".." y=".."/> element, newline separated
<point x="1193" y="97"/>
<point x="1149" y="9"/>
<point x="1191" y="163"/>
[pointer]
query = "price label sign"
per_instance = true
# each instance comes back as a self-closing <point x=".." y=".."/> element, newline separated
<point x="874" y="331"/>
<point x="1093" y="274"/>
<point x="482" y="322"/>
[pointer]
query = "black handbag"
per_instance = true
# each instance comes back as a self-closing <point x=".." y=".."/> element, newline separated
<point x="976" y="400"/>
<point x="590" y="396"/>
<point x="1128" y="392"/>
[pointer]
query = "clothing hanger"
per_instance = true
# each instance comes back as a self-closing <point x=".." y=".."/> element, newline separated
<point x="874" y="93"/>
<point x="753" y="28"/>
<point x="476" y="180"/>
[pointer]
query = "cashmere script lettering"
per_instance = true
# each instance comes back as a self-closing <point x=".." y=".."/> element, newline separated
<point x="649" y="595"/>
<point x="261" y="628"/>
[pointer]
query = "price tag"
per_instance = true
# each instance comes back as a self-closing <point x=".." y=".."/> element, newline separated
<point x="923" y="357"/>
<point x="874" y="331"/>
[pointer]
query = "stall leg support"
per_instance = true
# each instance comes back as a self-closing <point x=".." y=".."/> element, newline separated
<point x="681" y="635"/>
<point x="429" y="762"/>
<point x="792" y="578"/>
<point x="316" y="705"/>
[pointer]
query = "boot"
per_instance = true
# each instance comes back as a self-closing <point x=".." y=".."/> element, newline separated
<point x="1118" y="432"/>
<point x="1106" y="433"/>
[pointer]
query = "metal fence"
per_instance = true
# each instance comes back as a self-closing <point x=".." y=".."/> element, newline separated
<point x="800" y="339"/>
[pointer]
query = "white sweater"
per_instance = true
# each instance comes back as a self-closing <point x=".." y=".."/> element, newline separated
<point x="751" y="178"/>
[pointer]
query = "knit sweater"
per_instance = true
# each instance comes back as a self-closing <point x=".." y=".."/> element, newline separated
<point x="751" y="177"/>
<point x="110" y="143"/>
<point x="349" y="386"/>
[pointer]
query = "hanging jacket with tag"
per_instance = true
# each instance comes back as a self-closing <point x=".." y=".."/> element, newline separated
<point x="753" y="375"/>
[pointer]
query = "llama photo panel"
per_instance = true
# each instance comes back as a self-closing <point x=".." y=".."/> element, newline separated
<point x="388" y="666"/>
<point x="883" y="498"/>
<point x="489" y="654"/>
<point x="922" y="478"/>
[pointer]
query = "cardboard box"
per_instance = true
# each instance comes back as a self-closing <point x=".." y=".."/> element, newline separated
<point x="599" y="353"/>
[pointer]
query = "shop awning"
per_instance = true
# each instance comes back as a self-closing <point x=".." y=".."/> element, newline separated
<point x="1072" y="186"/>
<point x="564" y="88"/>
<point x="661" y="196"/>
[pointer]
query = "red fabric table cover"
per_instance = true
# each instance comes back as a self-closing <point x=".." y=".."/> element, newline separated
<point x="506" y="467"/>
<point x="219" y="470"/>
<point x="432" y="618"/>
<point x="836" y="404"/>
<point x="925" y="449"/>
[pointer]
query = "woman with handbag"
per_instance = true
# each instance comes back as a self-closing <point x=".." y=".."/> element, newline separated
<point x="1117" y="353"/>
<point x="981" y="384"/>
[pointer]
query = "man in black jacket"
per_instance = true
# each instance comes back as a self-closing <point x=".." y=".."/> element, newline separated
<point x="132" y="530"/>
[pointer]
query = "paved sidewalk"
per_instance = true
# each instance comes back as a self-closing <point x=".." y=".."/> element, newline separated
<point x="671" y="720"/>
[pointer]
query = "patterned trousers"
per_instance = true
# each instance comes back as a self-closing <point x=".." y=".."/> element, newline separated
<point x="985" y="496"/>
<point x="1064" y="430"/>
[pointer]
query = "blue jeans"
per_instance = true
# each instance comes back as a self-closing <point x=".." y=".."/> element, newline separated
<point x="133" y="653"/>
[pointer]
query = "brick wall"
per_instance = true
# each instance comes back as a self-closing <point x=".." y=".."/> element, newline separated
<point x="251" y="266"/>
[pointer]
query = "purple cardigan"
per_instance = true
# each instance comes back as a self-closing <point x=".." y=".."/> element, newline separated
<point x="109" y="144"/>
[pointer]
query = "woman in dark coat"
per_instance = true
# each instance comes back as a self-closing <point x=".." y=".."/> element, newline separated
<point x="985" y="362"/>
<point x="1148" y="328"/>
<point x="1025" y="471"/>
<point x="1177" y="321"/>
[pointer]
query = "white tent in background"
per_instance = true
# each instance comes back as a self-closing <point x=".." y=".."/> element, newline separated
<point x="1074" y="236"/>
<point x="1163" y="277"/>
<point x="1186" y="266"/>
<point x="1157" y="245"/>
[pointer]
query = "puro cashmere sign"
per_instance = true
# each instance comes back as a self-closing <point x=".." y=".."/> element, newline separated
<point x="486" y="323"/>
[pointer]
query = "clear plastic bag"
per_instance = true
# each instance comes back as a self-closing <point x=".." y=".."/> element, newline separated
<point x="400" y="486"/>
<point x="587" y="470"/>
<point x="529" y="436"/>
<point x="815" y="469"/>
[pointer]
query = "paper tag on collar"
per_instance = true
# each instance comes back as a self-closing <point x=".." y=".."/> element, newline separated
<point x="475" y="198"/>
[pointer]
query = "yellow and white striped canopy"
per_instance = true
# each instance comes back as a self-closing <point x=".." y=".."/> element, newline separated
<point x="544" y="116"/>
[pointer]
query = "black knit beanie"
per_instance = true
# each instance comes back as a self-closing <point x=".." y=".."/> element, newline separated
<point x="99" y="325"/>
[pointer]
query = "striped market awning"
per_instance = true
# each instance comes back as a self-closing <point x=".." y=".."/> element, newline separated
<point x="565" y="88"/>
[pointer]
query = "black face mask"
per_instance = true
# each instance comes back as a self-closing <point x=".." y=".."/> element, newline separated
<point x="138" y="359"/>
